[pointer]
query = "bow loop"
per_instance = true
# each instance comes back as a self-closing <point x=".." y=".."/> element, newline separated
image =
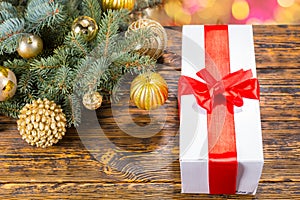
<point x="233" y="87"/>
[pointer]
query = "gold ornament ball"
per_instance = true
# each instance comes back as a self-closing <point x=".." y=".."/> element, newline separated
<point x="92" y="100"/>
<point x="8" y="84"/>
<point x="30" y="46"/>
<point x="154" y="46"/>
<point x="118" y="4"/>
<point x="85" y="26"/>
<point x="42" y="123"/>
<point x="149" y="91"/>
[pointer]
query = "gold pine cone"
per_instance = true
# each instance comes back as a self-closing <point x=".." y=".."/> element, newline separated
<point x="42" y="123"/>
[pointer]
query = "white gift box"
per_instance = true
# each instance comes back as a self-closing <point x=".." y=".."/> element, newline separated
<point x="193" y="118"/>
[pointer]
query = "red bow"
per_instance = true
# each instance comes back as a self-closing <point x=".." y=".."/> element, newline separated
<point x="233" y="87"/>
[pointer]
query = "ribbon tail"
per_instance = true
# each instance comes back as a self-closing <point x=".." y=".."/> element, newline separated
<point x="188" y="85"/>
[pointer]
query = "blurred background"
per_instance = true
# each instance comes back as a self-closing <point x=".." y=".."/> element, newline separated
<point x="180" y="12"/>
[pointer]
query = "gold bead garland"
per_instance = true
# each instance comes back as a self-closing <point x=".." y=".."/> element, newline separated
<point x="42" y="123"/>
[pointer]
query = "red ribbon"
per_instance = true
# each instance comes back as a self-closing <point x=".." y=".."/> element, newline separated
<point x="219" y="97"/>
<point x="233" y="87"/>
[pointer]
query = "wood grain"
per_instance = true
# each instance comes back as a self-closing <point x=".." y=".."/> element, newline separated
<point x="131" y="191"/>
<point x="134" y="155"/>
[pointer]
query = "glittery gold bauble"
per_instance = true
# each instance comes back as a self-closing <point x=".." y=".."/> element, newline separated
<point x="8" y="83"/>
<point x="118" y="4"/>
<point x="92" y="100"/>
<point x="149" y="91"/>
<point x="86" y="26"/>
<point x="42" y="123"/>
<point x="30" y="46"/>
<point x="154" y="46"/>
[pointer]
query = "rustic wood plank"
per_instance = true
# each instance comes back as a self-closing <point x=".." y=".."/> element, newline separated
<point x="133" y="191"/>
<point x="112" y="167"/>
<point x="277" y="46"/>
<point x="69" y="161"/>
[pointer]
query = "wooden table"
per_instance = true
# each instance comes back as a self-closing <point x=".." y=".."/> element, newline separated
<point x="117" y="163"/>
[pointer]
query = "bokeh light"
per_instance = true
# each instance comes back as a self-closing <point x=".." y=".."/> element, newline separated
<point x="206" y="3"/>
<point x="288" y="15"/>
<point x="180" y="12"/>
<point x="286" y="3"/>
<point x="240" y="9"/>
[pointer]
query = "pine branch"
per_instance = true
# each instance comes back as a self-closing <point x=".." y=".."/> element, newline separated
<point x="26" y="86"/>
<point x="68" y="56"/>
<point x="11" y="27"/>
<point x="111" y="29"/>
<point x="7" y="10"/>
<point x="10" y="44"/>
<point x="43" y="13"/>
<point x="11" y="107"/>
<point x="27" y="89"/>
<point x="125" y="55"/>
<point x="77" y="43"/>
<point x="71" y="8"/>
<point x="63" y="81"/>
<point x="133" y="40"/>
<point x="69" y="66"/>
<point x="91" y="74"/>
<point x="92" y="9"/>
<point x="72" y="110"/>
<point x="25" y="83"/>
<point x="136" y="63"/>
<point x="108" y="30"/>
<point x="45" y="64"/>
<point x="18" y="66"/>
<point x="6" y="14"/>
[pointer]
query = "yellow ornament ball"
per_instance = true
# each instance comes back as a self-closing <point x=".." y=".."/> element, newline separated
<point x="8" y="83"/>
<point x="149" y="91"/>
<point x="30" y="46"/>
<point x="85" y="26"/>
<point x="118" y="4"/>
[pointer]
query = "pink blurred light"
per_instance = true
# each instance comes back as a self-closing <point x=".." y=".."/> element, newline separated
<point x="191" y="6"/>
<point x="259" y="9"/>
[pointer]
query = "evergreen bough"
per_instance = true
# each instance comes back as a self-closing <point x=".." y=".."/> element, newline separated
<point x="69" y="66"/>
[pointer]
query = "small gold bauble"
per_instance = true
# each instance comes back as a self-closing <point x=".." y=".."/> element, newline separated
<point x="42" y="123"/>
<point x="30" y="46"/>
<point x="8" y="83"/>
<point x="118" y="4"/>
<point x="86" y="26"/>
<point x="154" y="46"/>
<point x="92" y="100"/>
<point x="149" y="91"/>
